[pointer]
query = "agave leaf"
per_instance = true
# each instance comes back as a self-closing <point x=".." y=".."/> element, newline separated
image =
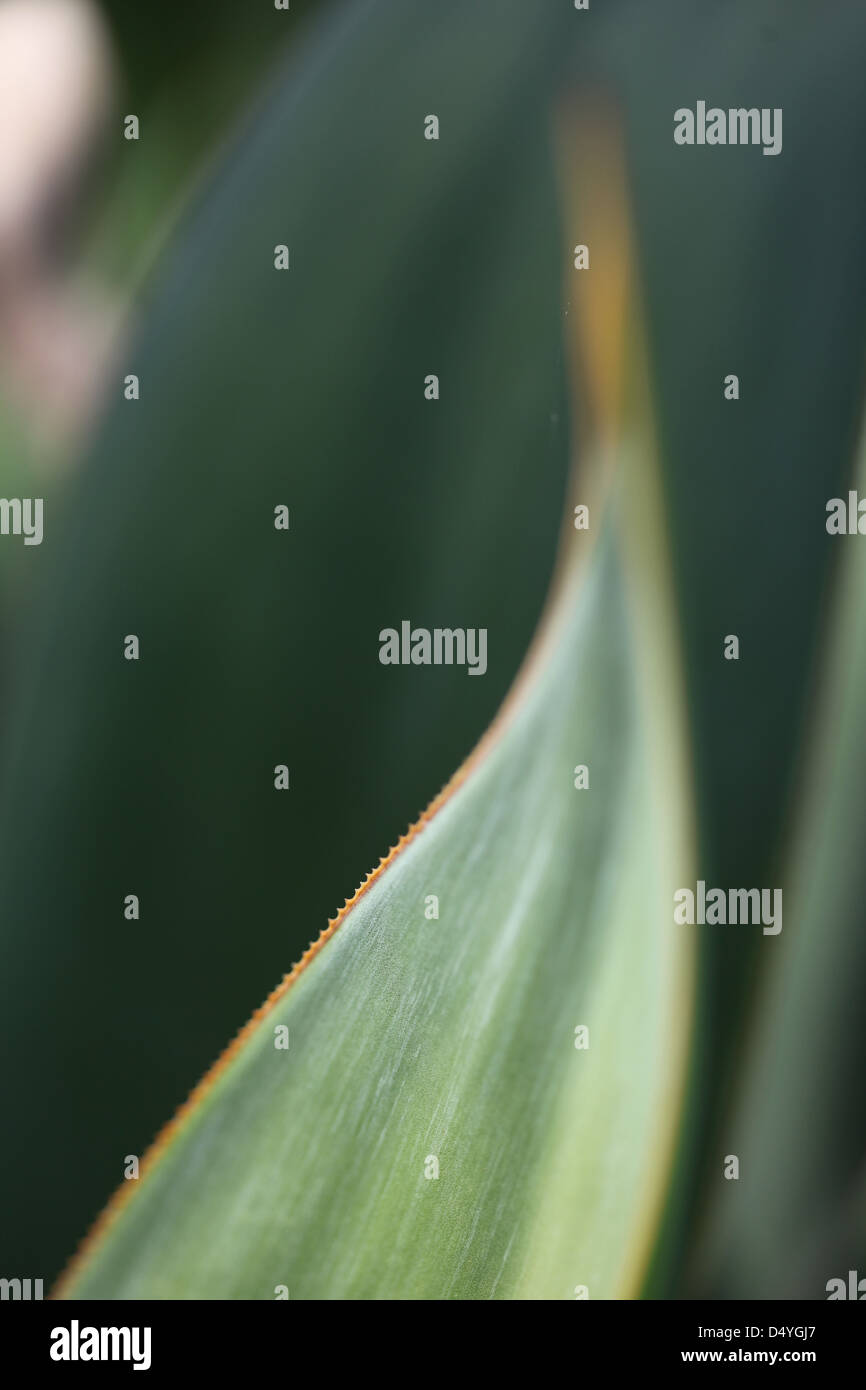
<point x="259" y="647"/>
<point x="432" y="1129"/>
<point x="454" y="1038"/>
<point x="448" y="258"/>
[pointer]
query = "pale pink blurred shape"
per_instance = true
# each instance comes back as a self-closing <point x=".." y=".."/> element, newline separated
<point x="56" y="88"/>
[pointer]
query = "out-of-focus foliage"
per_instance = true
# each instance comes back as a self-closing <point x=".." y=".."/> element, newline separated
<point x="797" y="1217"/>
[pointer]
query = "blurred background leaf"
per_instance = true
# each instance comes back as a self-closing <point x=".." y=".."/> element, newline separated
<point x="797" y="1216"/>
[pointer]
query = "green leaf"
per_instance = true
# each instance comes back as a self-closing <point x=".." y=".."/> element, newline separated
<point x="259" y="647"/>
<point x="454" y="1038"/>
